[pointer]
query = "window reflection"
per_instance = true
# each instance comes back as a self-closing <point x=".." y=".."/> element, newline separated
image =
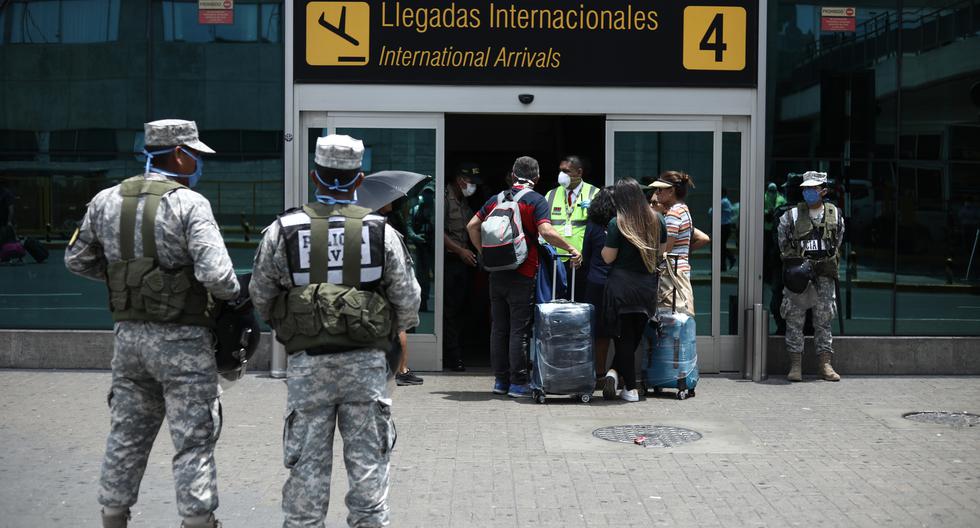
<point x="253" y="22"/>
<point x="59" y="21"/>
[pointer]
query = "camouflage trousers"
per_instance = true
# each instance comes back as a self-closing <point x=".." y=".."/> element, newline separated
<point x="162" y="370"/>
<point x="346" y="391"/>
<point x="824" y="311"/>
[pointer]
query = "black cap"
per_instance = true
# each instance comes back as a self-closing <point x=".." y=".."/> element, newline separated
<point x="470" y="171"/>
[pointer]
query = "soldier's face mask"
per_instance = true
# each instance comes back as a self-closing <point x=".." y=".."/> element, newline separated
<point x="335" y="186"/>
<point x="812" y="196"/>
<point x="192" y="178"/>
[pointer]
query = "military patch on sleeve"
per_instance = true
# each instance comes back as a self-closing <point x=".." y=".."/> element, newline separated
<point x="74" y="237"/>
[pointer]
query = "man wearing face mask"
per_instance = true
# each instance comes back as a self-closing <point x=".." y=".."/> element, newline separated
<point x="810" y="237"/>
<point x="459" y="263"/>
<point x="336" y="283"/>
<point x="568" y="205"/>
<point x="156" y="244"/>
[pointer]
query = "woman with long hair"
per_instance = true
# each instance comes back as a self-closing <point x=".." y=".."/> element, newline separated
<point x="632" y="249"/>
<point x="601" y="210"/>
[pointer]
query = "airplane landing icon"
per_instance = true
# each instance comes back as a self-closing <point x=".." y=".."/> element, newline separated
<point x="340" y="28"/>
<point x="338" y="33"/>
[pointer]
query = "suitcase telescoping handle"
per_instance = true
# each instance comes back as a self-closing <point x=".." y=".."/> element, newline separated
<point x="673" y="299"/>
<point x="554" y="276"/>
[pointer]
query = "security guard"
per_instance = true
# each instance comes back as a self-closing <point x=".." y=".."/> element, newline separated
<point x="337" y="285"/>
<point x="569" y="206"/>
<point x="459" y="263"/>
<point x="157" y="245"/>
<point x="810" y="237"/>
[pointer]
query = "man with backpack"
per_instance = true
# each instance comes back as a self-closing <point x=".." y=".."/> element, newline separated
<point x="505" y="231"/>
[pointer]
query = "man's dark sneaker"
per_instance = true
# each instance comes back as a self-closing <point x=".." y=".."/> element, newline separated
<point x="500" y="387"/>
<point x="408" y="378"/>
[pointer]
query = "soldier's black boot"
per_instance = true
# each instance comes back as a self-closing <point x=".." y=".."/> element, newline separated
<point x="115" y="520"/>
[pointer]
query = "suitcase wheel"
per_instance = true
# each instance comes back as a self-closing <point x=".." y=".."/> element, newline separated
<point x="682" y="395"/>
<point x="586" y="398"/>
<point x="538" y="396"/>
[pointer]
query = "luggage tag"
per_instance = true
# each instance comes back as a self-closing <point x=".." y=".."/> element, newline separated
<point x="568" y="228"/>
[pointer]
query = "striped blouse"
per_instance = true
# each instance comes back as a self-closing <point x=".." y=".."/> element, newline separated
<point x="680" y="228"/>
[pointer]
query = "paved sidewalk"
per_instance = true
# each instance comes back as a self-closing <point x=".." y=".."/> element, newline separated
<point x="772" y="454"/>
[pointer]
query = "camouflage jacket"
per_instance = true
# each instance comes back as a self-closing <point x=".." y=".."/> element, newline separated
<point x="271" y="276"/>
<point x="186" y="235"/>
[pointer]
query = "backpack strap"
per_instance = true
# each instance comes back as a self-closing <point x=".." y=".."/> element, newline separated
<point x="132" y="189"/>
<point x="319" y="238"/>
<point x="521" y="193"/>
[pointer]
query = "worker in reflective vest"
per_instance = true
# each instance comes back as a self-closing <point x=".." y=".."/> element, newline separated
<point x="569" y="205"/>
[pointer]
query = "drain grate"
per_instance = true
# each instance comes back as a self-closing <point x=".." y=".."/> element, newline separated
<point x="648" y="435"/>
<point x="956" y="419"/>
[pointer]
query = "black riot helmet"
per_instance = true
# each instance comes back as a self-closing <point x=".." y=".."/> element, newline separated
<point x="236" y="335"/>
<point x="797" y="274"/>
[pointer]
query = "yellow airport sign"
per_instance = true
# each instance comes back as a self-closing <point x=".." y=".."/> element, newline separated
<point x="338" y="33"/>
<point x="714" y="38"/>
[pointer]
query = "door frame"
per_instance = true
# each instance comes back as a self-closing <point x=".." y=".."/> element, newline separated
<point x="717" y="352"/>
<point x="424" y="349"/>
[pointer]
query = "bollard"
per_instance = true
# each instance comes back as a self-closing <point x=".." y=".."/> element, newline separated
<point x="760" y="320"/>
<point x="277" y="369"/>
<point x="949" y="270"/>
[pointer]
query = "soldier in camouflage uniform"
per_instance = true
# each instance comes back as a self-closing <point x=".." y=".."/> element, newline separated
<point x="157" y="245"/>
<point x="337" y="285"/>
<point x="814" y="231"/>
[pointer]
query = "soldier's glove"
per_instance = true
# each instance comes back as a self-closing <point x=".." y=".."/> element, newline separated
<point x="243" y="302"/>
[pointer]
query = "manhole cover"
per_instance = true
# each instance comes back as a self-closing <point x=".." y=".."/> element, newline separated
<point x="957" y="419"/>
<point x="647" y="435"/>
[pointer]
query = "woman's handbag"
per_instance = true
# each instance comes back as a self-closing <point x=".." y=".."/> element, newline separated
<point x="675" y="292"/>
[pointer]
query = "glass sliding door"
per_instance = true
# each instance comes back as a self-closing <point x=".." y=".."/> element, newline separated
<point x="401" y="142"/>
<point x="714" y="157"/>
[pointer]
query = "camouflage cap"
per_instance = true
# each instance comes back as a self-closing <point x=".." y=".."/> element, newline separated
<point x="338" y="151"/>
<point x="174" y="132"/>
<point x="814" y="179"/>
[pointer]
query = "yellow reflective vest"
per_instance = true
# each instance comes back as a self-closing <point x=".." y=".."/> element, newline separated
<point x="570" y="221"/>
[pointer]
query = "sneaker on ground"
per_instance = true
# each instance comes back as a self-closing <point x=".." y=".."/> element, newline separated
<point x="500" y="387"/>
<point x="408" y="378"/>
<point x="519" y="391"/>
<point x="609" y="389"/>
<point x="629" y="395"/>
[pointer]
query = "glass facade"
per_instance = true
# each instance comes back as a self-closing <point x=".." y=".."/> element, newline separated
<point x="890" y="111"/>
<point x="79" y="79"/>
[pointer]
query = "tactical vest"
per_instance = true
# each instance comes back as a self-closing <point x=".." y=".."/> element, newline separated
<point x="139" y="288"/>
<point x="578" y="215"/>
<point x="336" y="262"/>
<point x="817" y="241"/>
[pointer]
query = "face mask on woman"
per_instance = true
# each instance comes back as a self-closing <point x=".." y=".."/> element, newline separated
<point x="469" y="189"/>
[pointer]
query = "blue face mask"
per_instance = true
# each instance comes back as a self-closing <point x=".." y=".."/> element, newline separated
<point x="811" y="196"/>
<point x="335" y="186"/>
<point x="192" y="178"/>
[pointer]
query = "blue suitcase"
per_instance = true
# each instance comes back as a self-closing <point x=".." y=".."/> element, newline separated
<point x="562" y="355"/>
<point x="669" y="358"/>
<point x="668" y="352"/>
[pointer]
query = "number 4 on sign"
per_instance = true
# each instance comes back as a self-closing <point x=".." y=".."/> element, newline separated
<point x="714" y="38"/>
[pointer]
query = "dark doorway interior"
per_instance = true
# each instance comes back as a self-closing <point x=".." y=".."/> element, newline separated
<point x="494" y="142"/>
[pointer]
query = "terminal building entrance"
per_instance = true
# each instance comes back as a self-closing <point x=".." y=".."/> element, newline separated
<point x="712" y="149"/>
